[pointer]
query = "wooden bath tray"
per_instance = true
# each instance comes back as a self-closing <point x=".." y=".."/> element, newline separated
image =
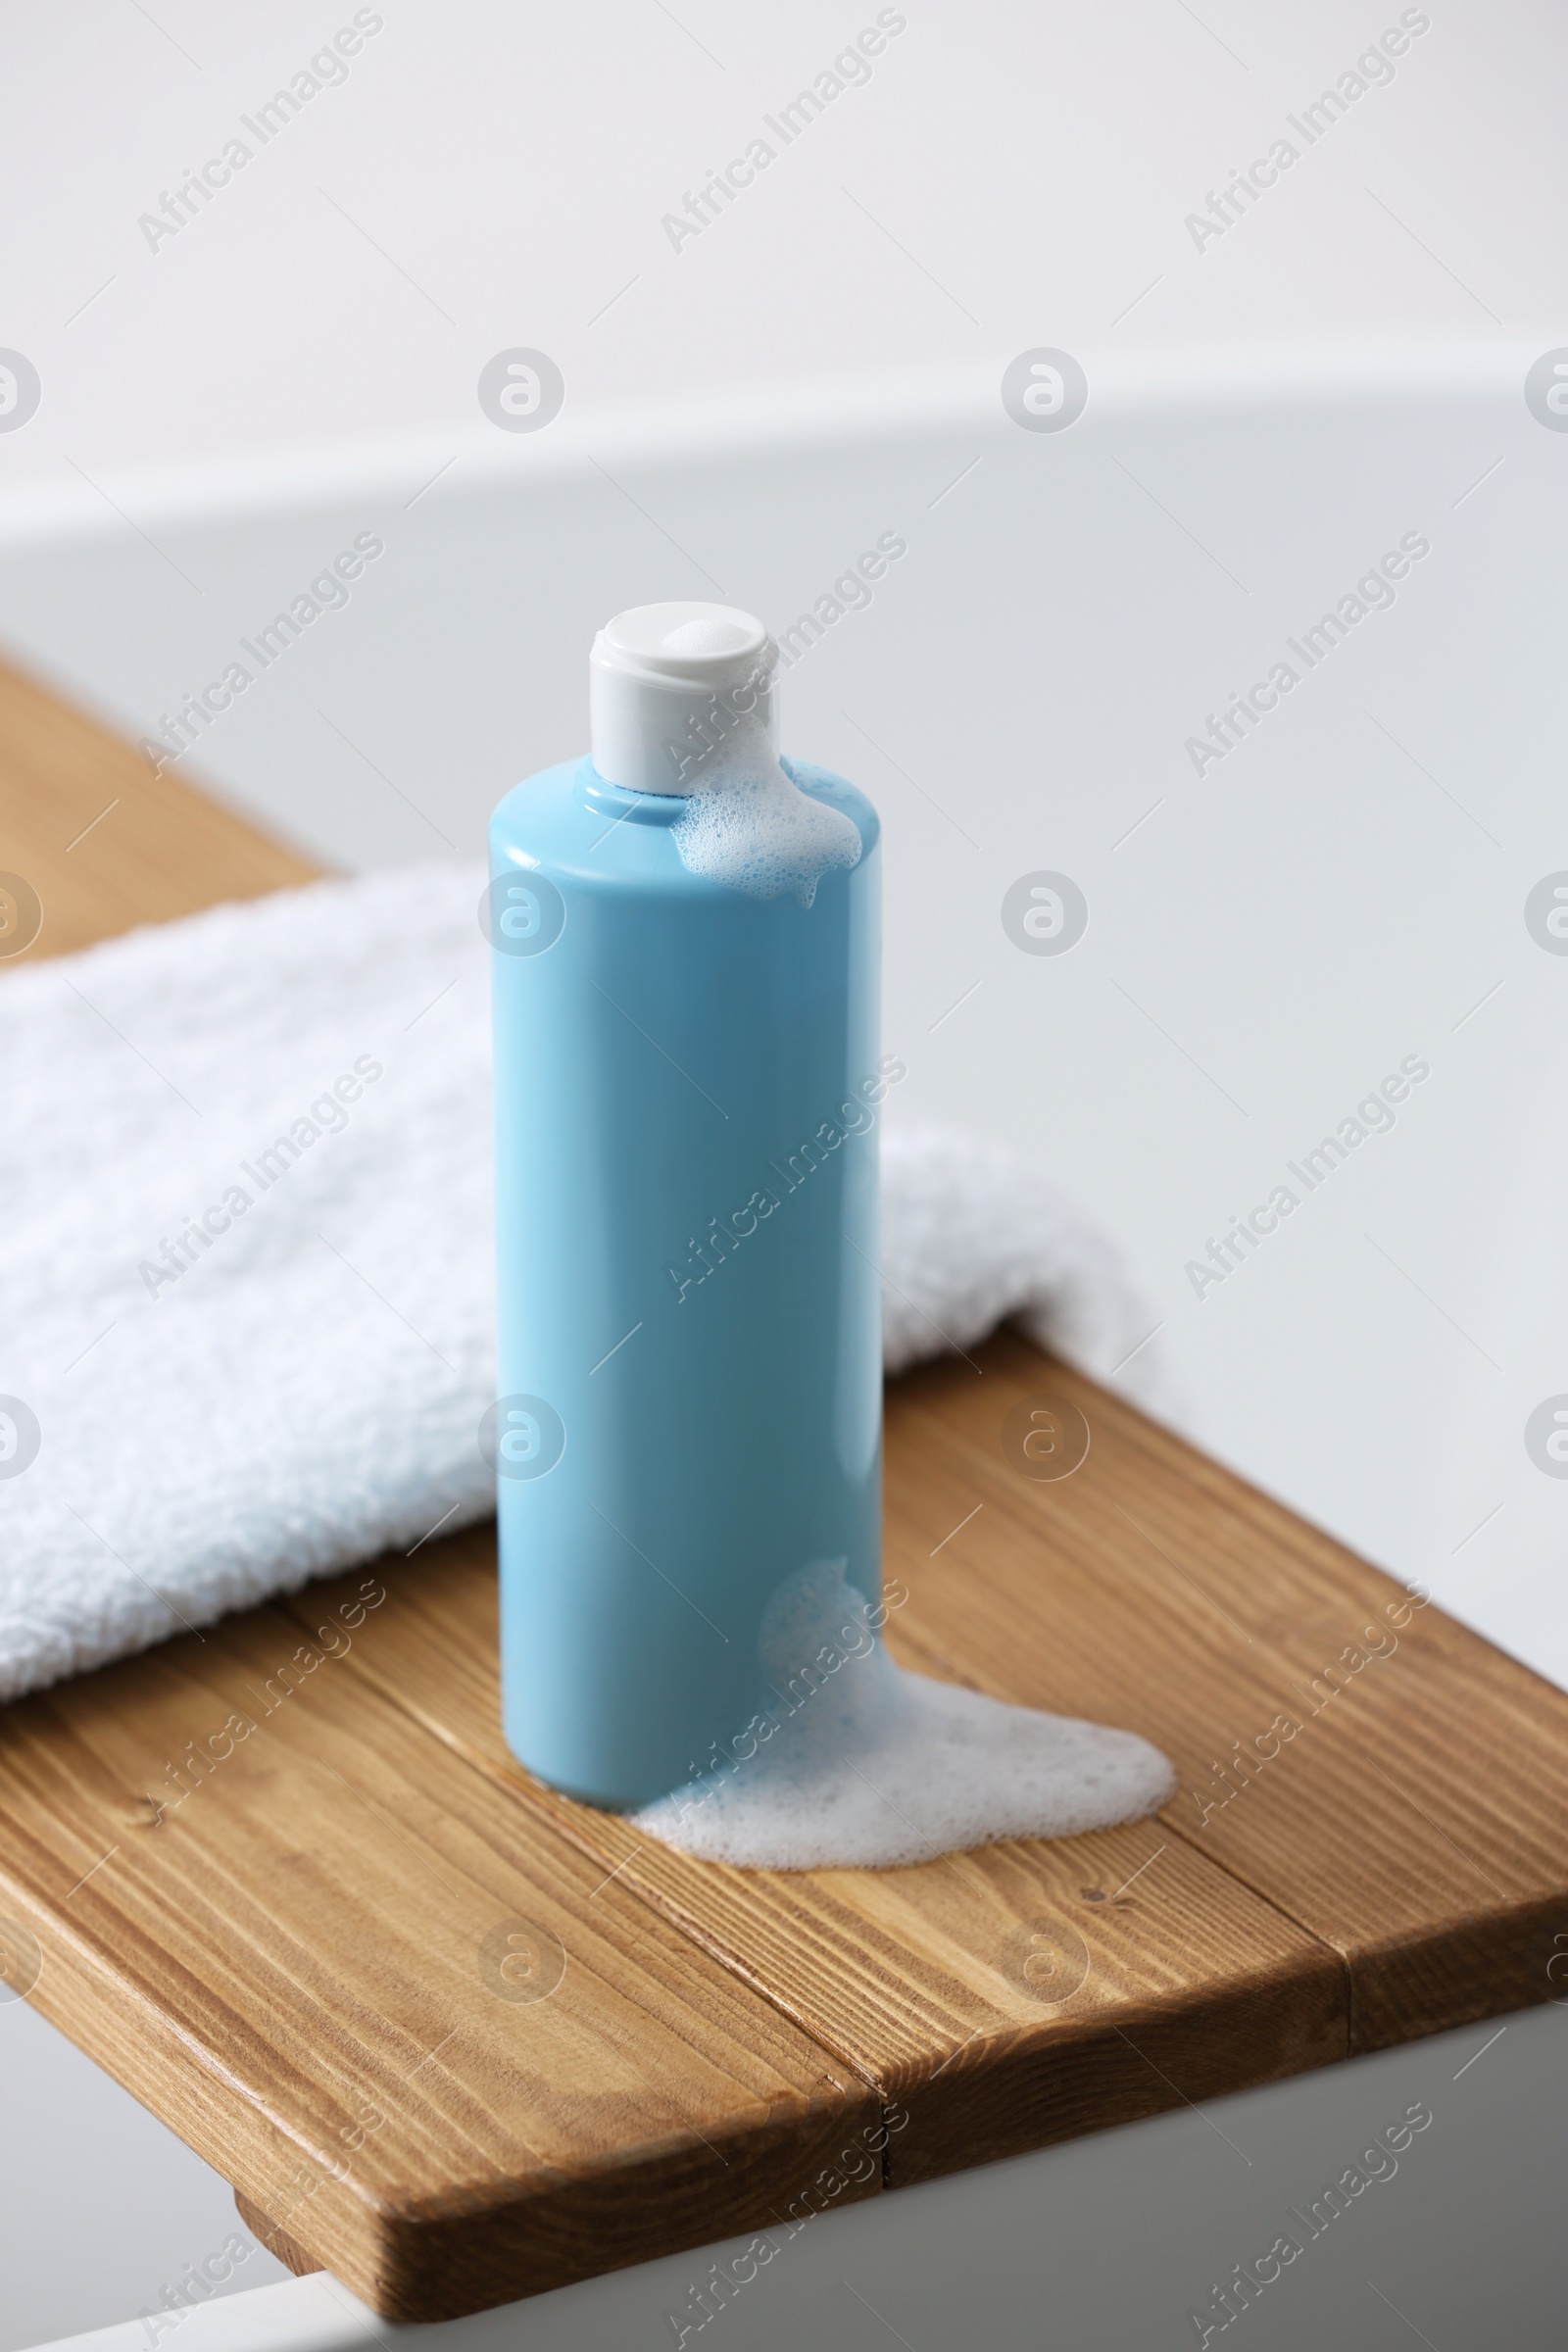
<point x="458" y="2039"/>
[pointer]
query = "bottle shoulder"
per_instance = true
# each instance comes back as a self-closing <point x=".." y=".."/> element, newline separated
<point x="825" y="784"/>
<point x="569" y="820"/>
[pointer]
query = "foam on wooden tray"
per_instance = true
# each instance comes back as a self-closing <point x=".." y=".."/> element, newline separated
<point x="852" y="1762"/>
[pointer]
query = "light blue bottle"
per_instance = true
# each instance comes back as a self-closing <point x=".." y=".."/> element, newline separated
<point x="687" y="1079"/>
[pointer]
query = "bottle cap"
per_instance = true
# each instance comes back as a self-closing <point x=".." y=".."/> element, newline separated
<point x="670" y="686"/>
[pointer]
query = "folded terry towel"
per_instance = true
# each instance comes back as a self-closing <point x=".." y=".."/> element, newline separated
<point x="246" y="1316"/>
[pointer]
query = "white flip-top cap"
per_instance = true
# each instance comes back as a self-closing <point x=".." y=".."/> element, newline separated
<point x="671" y="685"/>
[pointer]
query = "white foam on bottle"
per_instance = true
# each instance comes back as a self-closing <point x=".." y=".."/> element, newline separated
<point x="749" y="824"/>
<point x="852" y="1762"/>
<point x="681" y="697"/>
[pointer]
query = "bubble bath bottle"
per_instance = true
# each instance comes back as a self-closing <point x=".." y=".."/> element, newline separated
<point x="687" y="1078"/>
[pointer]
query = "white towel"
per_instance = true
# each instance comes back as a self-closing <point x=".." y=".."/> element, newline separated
<point x="227" y="1366"/>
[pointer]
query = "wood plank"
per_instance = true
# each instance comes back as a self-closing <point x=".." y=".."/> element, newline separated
<point x="1150" y="1588"/>
<point x="288" y="2250"/>
<point x="1414" y="1818"/>
<point x="318" y="1965"/>
<point x="298" y="1947"/>
<point x="102" y="842"/>
<point x="1185" y="1984"/>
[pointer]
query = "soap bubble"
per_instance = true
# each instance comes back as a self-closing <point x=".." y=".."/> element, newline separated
<point x="749" y="825"/>
<point x="850" y="1762"/>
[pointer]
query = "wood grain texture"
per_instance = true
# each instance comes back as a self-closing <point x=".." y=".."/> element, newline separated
<point x="313" y="1954"/>
<point x="298" y="1954"/>
<point x="1415" y="1818"/>
<point x="104" y="842"/>
<point x="1000" y="1999"/>
<point x="288" y="2250"/>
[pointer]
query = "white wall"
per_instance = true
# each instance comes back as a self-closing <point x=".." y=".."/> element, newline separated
<point x="513" y="166"/>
